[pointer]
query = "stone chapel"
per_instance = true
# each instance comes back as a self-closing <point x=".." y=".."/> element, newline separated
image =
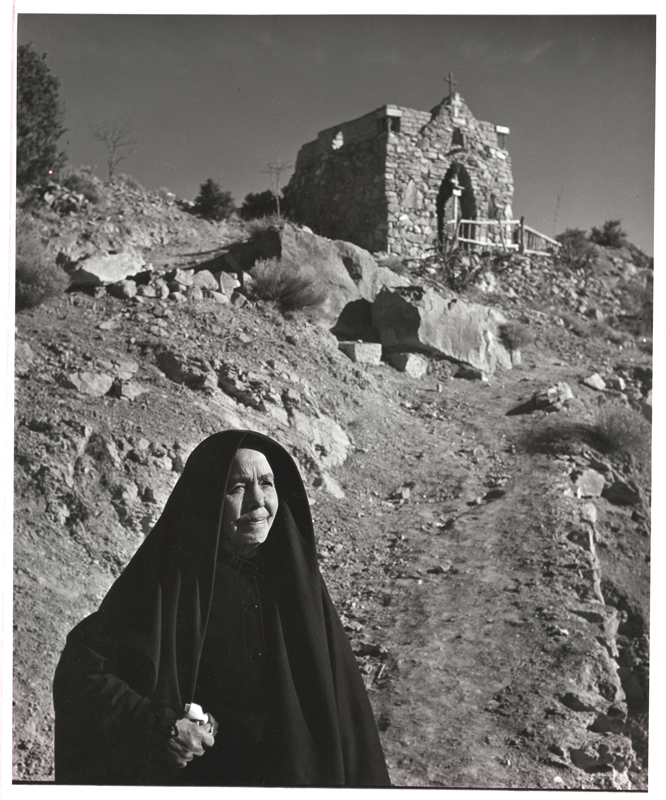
<point x="392" y="180"/>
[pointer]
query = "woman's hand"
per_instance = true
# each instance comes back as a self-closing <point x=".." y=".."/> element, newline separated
<point x="191" y="740"/>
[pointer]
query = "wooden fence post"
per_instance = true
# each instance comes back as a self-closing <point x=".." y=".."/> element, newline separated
<point x="521" y="241"/>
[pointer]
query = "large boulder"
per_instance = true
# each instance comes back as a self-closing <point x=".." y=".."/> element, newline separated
<point x="421" y="319"/>
<point x="348" y="272"/>
<point x="102" y="269"/>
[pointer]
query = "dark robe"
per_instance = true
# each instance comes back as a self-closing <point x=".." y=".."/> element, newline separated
<point x="298" y="714"/>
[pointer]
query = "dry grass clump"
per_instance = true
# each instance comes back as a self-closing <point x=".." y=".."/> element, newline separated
<point x="515" y="335"/>
<point x="290" y="288"/>
<point x="260" y="224"/>
<point x="37" y="276"/>
<point x="127" y="182"/>
<point x="556" y="436"/>
<point x="82" y="181"/>
<point x="621" y="429"/>
<point x="617" y="430"/>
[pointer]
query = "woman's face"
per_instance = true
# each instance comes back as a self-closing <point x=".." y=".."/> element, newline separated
<point x="250" y="504"/>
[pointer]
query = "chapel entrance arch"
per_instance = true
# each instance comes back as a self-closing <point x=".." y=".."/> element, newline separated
<point x="456" y="176"/>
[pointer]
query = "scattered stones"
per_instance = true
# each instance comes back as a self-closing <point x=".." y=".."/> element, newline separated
<point x="180" y="277"/>
<point x="589" y="512"/>
<point x="618" y="383"/>
<point x="575" y="703"/>
<point x="23" y="358"/>
<point x="90" y="383"/>
<point x="109" y="325"/>
<point x="205" y="279"/>
<point x="589" y="483"/>
<point x="612" y="750"/>
<point x="195" y="293"/>
<point x="124" y="290"/>
<point x="128" y="390"/>
<point x="330" y="485"/>
<point x="227" y="283"/>
<point x="146" y="290"/>
<point x="595" y="381"/>
<point x="362" y="352"/>
<point x="161" y="288"/>
<point x="238" y="300"/>
<point x="622" y="493"/>
<point x="411" y="364"/>
<point x="195" y="373"/>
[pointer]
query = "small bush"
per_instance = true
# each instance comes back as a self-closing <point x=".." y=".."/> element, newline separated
<point x="127" y="182"/>
<point x="611" y="235"/>
<point x="637" y="298"/>
<point x="515" y="335"/>
<point x="83" y="182"/>
<point x="291" y="289"/>
<point x="212" y="203"/>
<point x="577" y="251"/>
<point x="460" y="270"/>
<point x="258" y="204"/>
<point x="260" y="224"/>
<point x="37" y="276"/>
<point x="621" y="429"/>
<point x="556" y="436"/>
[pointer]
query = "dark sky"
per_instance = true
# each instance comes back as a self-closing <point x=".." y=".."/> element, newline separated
<point x="221" y="96"/>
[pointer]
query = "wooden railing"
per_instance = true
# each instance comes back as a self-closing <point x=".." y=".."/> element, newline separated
<point x="493" y="234"/>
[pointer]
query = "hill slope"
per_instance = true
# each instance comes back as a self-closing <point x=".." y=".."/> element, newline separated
<point x="500" y="621"/>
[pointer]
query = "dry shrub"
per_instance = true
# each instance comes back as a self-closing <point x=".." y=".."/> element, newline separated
<point x="617" y="430"/>
<point x="636" y="296"/>
<point x="82" y="181"/>
<point x="515" y="335"/>
<point x="556" y="436"/>
<point x="38" y="277"/>
<point x="289" y="287"/>
<point x="260" y="224"/>
<point x="127" y="182"/>
<point x="621" y="429"/>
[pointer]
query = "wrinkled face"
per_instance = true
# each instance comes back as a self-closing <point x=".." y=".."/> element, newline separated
<point x="250" y="504"/>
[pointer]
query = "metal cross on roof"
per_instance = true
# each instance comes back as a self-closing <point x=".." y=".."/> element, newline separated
<point x="451" y="82"/>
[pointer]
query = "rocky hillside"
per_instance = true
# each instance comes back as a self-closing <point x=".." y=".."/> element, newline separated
<point x="482" y="524"/>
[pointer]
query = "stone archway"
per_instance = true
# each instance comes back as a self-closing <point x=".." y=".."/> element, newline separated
<point x="467" y="200"/>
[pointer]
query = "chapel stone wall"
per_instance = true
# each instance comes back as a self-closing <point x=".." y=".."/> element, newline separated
<point x="375" y="180"/>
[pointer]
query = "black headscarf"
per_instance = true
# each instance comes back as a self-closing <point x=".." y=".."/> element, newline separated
<point x="129" y="668"/>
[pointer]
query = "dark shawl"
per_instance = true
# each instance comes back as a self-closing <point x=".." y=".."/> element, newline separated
<point x="128" y="669"/>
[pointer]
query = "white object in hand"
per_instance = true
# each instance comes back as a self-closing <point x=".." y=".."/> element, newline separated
<point x="194" y="712"/>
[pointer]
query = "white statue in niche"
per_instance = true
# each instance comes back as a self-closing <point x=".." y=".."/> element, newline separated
<point x="412" y="197"/>
<point x="338" y="141"/>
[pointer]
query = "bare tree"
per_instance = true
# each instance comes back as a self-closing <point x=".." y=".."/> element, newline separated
<point x="275" y="170"/>
<point x="117" y="136"/>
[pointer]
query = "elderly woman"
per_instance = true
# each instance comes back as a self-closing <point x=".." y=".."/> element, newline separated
<point x="222" y="606"/>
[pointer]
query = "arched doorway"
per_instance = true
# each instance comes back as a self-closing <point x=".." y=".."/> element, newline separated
<point x="456" y="176"/>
